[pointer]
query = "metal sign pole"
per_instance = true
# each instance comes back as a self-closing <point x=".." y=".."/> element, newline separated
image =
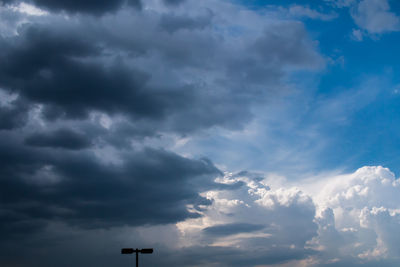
<point x="137" y="258"/>
<point x="131" y="251"/>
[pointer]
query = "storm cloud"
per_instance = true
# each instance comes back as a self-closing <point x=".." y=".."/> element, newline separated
<point x="62" y="138"/>
<point x="43" y="66"/>
<point x="13" y="115"/>
<point x="88" y="7"/>
<point x="149" y="187"/>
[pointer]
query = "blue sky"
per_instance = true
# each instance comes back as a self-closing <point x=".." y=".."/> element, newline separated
<point x="370" y="136"/>
<point x="358" y="131"/>
<point x="219" y="132"/>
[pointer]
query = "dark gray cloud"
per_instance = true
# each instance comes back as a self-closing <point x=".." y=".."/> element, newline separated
<point x="95" y="7"/>
<point x="84" y="67"/>
<point x="150" y="187"/>
<point x="61" y="138"/>
<point x="233" y="228"/>
<point x="43" y="66"/>
<point x="67" y="73"/>
<point x="14" y="115"/>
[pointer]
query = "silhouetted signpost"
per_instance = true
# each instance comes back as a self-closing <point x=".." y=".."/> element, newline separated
<point x="137" y="251"/>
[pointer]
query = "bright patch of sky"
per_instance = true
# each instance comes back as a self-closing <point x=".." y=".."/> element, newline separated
<point x="343" y="116"/>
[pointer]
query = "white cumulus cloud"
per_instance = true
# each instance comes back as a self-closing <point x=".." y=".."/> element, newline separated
<point x="350" y="219"/>
<point x="359" y="215"/>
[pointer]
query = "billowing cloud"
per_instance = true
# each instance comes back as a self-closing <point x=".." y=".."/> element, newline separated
<point x="351" y="219"/>
<point x="359" y="215"/>
<point x="256" y="219"/>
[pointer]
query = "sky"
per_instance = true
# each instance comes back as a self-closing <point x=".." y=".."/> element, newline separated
<point x="218" y="132"/>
